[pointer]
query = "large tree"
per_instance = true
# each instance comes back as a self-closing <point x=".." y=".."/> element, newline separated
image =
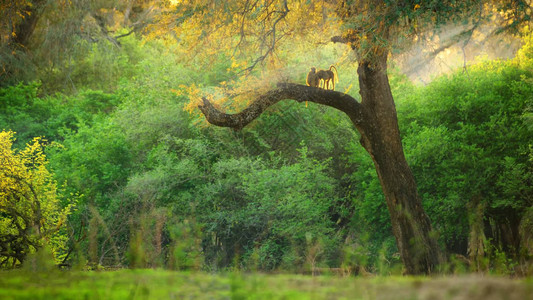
<point x="255" y="29"/>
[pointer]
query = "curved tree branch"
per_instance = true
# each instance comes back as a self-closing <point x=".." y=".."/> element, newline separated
<point x="297" y="92"/>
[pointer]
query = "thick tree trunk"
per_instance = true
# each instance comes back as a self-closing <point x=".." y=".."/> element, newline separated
<point x="380" y="136"/>
<point x="375" y="118"/>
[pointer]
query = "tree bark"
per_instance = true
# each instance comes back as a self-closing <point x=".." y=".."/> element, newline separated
<point x="380" y="136"/>
<point x="376" y="120"/>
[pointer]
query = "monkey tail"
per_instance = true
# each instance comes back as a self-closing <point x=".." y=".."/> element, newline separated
<point x="336" y="73"/>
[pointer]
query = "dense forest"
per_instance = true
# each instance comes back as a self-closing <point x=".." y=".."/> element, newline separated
<point x="109" y="157"/>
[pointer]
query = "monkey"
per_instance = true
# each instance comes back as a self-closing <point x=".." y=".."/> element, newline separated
<point x="323" y="77"/>
<point x="326" y="76"/>
<point x="312" y="79"/>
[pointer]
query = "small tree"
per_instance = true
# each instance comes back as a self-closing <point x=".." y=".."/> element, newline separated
<point x="30" y="211"/>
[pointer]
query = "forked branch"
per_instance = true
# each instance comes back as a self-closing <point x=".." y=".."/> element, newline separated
<point x="297" y="92"/>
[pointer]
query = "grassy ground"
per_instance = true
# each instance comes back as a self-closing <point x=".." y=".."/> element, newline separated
<point x="158" y="284"/>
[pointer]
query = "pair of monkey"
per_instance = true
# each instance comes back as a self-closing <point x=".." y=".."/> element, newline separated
<point x="314" y="77"/>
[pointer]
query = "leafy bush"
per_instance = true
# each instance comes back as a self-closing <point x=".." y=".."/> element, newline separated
<point x="31" y="214"/>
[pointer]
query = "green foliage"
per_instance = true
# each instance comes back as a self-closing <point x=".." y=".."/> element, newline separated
<point x="249" y="198"/>
<point x="186" y="252"/>
<point x="287" y="206"/>
<point x="23" y="110"/>
<point x="370" y="220"/>
<point x="93" y="66"/>
<point x="465" y="137"/>
<point x="94" y="160"/>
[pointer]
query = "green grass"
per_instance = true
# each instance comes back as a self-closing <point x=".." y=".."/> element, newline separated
<point x="160" y="284"/>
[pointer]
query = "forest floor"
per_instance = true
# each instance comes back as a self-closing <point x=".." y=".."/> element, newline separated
<point x="160" y="284"/>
